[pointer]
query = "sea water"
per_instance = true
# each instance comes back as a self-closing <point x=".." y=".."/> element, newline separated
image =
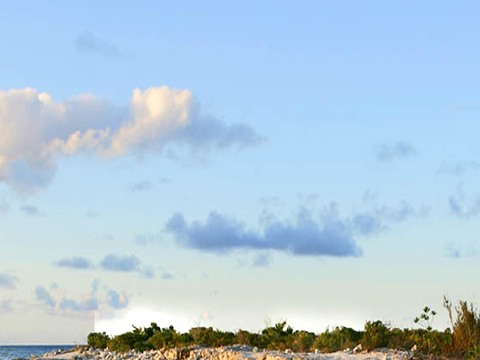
<point x="25" y="351"/>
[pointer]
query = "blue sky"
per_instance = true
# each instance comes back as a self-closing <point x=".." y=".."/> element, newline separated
<point x="235" y="164"/>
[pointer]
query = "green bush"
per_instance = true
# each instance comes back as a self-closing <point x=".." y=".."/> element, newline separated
<point x="376" y="335"/>
<point x="339" y="338"/>
<point x="98" y="340"/>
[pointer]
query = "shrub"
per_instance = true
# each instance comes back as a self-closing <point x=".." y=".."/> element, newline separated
<point x="339" y="338"/>
<point x="97" y="340"/>
<point x="376" y="335"/>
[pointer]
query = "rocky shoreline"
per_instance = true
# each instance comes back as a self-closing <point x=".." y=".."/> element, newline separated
<point x="238" y="352"/>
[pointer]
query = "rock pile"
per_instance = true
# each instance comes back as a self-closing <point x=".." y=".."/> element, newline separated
<point x="238" y="352"/>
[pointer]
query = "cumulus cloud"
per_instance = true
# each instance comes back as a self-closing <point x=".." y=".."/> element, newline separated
<point x="75" y="262"/>
<point x="120" y="263"/>
<point x="303" y="236"/>
<point x="117" y="300"/>
<point x="87" y="42"/>
<point x="8" y="281"/>
<point x="327" y="234"/>
<point x="35" y="130"/>
<point x="397" y="150"/>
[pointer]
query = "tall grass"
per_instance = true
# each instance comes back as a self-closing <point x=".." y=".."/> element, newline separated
<point x="465" y="340"/>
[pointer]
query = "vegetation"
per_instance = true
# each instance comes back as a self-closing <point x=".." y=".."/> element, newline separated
<point x="462" y="340"/>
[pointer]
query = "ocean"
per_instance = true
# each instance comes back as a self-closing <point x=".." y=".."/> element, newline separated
<point x="21" y="351"/>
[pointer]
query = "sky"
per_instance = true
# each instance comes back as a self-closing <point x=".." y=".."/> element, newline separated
<point x="235" y="164"/>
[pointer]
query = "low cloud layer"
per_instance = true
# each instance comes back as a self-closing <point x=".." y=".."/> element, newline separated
<point x="397" y="150"/>
<point x="303" y="236"/>
<point x="8" y="281"/>
<point x="55" y="300"/>
<point x="35" y="130"/>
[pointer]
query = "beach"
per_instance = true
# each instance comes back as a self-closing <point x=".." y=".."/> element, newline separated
<point x="238" y="352"/>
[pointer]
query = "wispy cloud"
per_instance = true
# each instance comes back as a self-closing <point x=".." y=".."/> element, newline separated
<point x="44" y="296"/>
<point x="141" y="186"/>
<point x="303" y="236"/>
<point x="41" y="129"/>
<point x="457" y="251"/>
<point x="462" y="207"/>
<point x="75" y="262"/>
<point x="261" y="260"/>
<point x="167" y="276"/>
<point x="6" y="306"/>
<point x="379" y="218"/>
<point x="146" y="239"/>
<point x="397" y="150"/>
<point x="88" y="42"/>
<point x="30" y="210"/>
<point x="4" y="206"/>
<point x="459" y="169"/>
<point x="8" y="281"/>
<point x="131" y="263"/>
<point x="111" y="262"/>
<point x="56" y="300"/>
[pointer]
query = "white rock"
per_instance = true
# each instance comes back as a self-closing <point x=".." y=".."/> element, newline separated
<point x="357" y="349"/>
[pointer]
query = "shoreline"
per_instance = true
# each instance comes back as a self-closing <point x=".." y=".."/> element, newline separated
<point x="235" y="352"/>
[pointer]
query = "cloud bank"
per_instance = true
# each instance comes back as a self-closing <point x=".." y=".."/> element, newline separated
<point x="303" y="236"/>
<point x="327" y="234"/>
<point x="35" y="130"/>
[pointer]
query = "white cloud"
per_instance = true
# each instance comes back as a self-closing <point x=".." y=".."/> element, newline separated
<point x="35" y="130"/>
